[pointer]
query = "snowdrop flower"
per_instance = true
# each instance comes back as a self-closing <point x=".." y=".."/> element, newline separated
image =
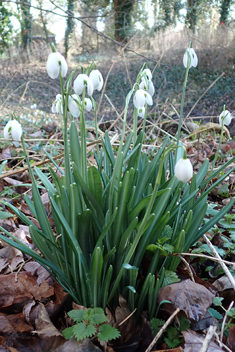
<point x="141" y="112"/>
<point x="193" y="58"/>
<point x="183" y="170"/>
<point x="33" y="106"/>
<point x="56" y="61"/>
<point x="81" y="82"/>
<point x="13" y="129"/>
<point x="225" y="117"/>
<point x="57" y="105"/>
<point x="141" y="97"/>
<point x="148" y="86"/>
<point x="88" y="104"/>
<point x="73" y="105"/>
<point x="148" y="73"/>
<point x="96" y="79"/>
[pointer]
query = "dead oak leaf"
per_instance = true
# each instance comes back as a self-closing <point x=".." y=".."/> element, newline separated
<point x="14" y="291"/>
<point x="188" y="296"/>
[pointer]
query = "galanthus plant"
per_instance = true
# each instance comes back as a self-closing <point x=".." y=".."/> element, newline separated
<point x="112" y="218"/>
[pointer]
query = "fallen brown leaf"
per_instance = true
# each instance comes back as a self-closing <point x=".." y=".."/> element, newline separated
<point x="194" y="342"/>
<point x="188" y="296"/>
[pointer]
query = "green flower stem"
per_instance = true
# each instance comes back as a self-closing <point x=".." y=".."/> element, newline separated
<point x="83" y="139"/>
<point x="142" y="226"/>
<point x="182" y="108"/>
<point x="68" y="175"/>
<point x="135" y="117"/>
<point x="218" y="149"/>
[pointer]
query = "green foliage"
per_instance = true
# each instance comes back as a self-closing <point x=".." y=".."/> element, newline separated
<point x="215" y="314"/>
<point x="156" y="324"/>
<point x="172" y="335"/>
<point x="6" y="28"/>
<point x="90" y="323"/>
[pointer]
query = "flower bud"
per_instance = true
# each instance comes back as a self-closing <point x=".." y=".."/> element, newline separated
<point x="13" y="129"/>
<point x="190" y="53"/>
<point x="225" y="117"/>
<point x="97" y="79"/>
<point x="183" y="170"/>
<point x="54" y="62"/>
<point x="73" y="106"/>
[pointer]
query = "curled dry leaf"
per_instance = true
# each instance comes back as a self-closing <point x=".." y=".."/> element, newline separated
<point x="43" y="324"/>
<point x="188" y="296"/>
<point x="194" y="342"/>
<point x="223" y="283"/>
<point x="231" y="338"/>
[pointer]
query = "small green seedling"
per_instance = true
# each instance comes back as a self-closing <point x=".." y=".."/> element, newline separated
<point x="90" y="323"/>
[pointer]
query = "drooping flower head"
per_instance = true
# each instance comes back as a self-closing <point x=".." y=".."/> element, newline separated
<point x="141" y="97"/>
<point x="192" y="56"/>
<point x="148" y="86"/>
<point x="57" y="105"/>
<point x="225" y="117"/>
<point x="55" y="62"/>
<point x="96" y="79"/>
<point x="183" y="170"/>
<point x="13" y="129"/>
<point x="148" y="73"/>
<point x="81" y="82"/>
<point x="141" y="112"/>
<point x="88" y="104"/>
<point x="73" y="105"/>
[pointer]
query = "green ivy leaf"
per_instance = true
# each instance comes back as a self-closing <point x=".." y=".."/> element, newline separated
<point x="231" y="313"/>
<point x="107" y="333"/>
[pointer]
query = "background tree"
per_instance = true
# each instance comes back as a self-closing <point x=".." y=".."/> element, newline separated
<point x="69" y="24"/>
<point x="26" y="24"/>
<point x="6" y="28"/>
<point x="122" y="19"/>
<point x="224" y="11"/>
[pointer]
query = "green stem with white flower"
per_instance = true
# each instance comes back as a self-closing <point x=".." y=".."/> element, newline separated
<point x="218" y="149"/>
<point x="182" y="107"/>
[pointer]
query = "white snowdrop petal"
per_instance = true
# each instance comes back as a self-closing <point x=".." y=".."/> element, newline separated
<point x="73" y="106"/>
<point x="148" y="99"/>
<point x="6" y="130"/>
<point x="53" y="66"/>
<point x="89" y="87"/>
<point x="184" y="170"/>
<point x="139" y="98"/>
<point x="16" y="130"/>
<point x="148" y="73"/>
<point x="226" y="117"/>
<point x="88" y="104"/>
<point x="13" y="129"/>
<point x="97" y="79"/>
<point x="141" y="112"/>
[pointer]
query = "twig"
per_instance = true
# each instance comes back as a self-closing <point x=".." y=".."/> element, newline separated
<point x="21" y="170"/>
<point x="222" y="74"/>
<point x="129" y="316"/>
<point x="221" y="344"/>
<point x="223" y="266"/>
<point x="224" y="321"/>
<point x="203" y="256"/>
<point x="188" y="267"/>
<point x="162" y="329"/>
<point x="208" y="338"/>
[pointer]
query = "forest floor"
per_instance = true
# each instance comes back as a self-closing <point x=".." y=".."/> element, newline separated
<point x="32" y="306"/>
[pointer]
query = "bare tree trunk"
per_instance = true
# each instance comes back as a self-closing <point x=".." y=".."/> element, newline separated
<point x="122" y="19"/>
